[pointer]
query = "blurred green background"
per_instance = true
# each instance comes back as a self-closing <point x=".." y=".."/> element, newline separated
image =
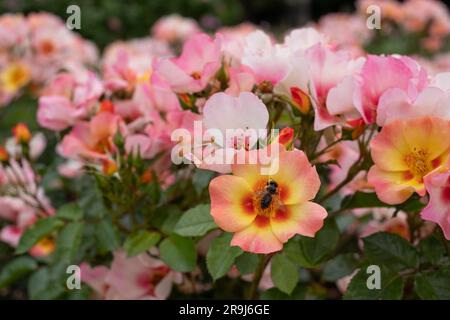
<point x="106" y="20"/>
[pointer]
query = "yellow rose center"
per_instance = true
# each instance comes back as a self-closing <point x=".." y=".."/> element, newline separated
<point x="15" y="77"/>
<point x="418" y="163"/>
<point x="266" y="202"/>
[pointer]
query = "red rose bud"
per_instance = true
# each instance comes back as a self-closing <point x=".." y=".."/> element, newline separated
<point x="355" y="122"/>
<point x="300" y="100"/>
<point x="286" y="136"/>
<point x="21" y="133"/>
<point x="147" y="176"/>
<point x="106" y="106"/>
<point x="357" y="128"/>
<point x="3" y="154"/>
<point x="185" y="100"/>
<point x="109" y="167"/>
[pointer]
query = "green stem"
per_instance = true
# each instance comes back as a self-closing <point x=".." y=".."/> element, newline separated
<point x="263" y="261"/>
<point x="278" y="112"/>
<point x="347" y="180"/>
<point x="324" y="150"/>
<point x="354" y="169"/>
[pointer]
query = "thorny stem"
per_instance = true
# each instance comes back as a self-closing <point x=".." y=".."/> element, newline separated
<point x="263" y="261"/>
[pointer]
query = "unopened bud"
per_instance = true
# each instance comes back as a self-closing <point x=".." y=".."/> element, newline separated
<point x="106" y="106"/>
<point x="286" y="136"/>
<point x="21" y="133"/>
<point x="147" y="176"/>
<point x="109" y="167"/>
<point x="356" y="128"/>
<point x="186" y="101"/>
<point x="300" y="100"/>
<point x="4" y="156"/>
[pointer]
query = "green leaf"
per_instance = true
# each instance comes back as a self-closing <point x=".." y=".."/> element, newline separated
<point x="179" y="253"/>
<point x="5" y="251"/>
<point x="391" y="286"/>
<point x="16" y="269"/>
<point x="90" y="199"/>
<point x="391" y="250"/>
<point x="195" y="222"/>
<point x="370" y="200"/>
<point x="433" y="285"/>
<point x="275" y="294"/>
<point x="107" y="236"/>
<point x="42" y="286"/>
<point x="221" y="256"/>
<point x="37" y="283"/>
<point x="22" y="109"/>
<point x="82" y="294"/>
<point x="68" y="242"/>
<point x="70" y="211"/>
<point x="338" y="267"/>
<point x="247" y="262"/>
<point x="38" y="231"/>
<point x="201" y="179"/>
<point x="166" y="218"/>
<point x="432" y="249"/>
<point x="153" y="189"/>
<point x="140" y="242"/>
<point x="362" y="200"/>
<point x="413" y="204"/>
<point x="311" y="252"/>
<point x="284" y="273"/>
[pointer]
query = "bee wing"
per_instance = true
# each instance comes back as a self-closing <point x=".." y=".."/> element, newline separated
<point x="278" y="203"/>
<point x="260" y="193"/>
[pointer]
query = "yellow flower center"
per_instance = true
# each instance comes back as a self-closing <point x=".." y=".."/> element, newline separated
<point x="418" y="163"/>
<point x="14" y="77"/>
<point x="145" y="77"/>
<point x="266" y="202"/>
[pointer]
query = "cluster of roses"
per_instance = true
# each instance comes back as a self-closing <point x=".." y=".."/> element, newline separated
<point x="420" y="26"/>
<point x="414" y="16"/>
<point x="33" y="49"/>
<point x="378" y="123"/>
<point x="23" y="199"/>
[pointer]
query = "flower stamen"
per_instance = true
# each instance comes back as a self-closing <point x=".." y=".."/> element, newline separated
<point x="266" y="201"/>
<point x="418" y="163"/>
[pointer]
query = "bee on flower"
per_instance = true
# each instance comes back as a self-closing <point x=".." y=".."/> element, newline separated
<point x="265" y="211"/>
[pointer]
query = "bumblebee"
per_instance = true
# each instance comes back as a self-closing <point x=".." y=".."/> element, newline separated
<point x="270" y="190"/>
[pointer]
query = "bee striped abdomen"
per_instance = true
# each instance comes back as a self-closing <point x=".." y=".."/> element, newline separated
<point x="266" y="200"/>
